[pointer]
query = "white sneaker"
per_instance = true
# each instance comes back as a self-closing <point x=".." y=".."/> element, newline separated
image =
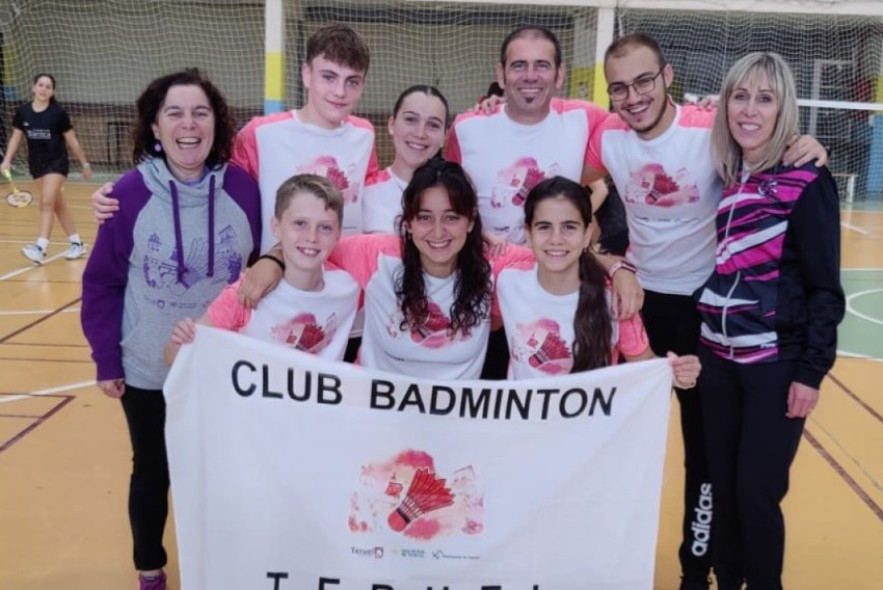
<point x="76" y="250"/>
<point x="34" y="253"/>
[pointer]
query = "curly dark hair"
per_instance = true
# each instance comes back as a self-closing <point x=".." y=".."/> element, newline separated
<point x="592" y="325"/>
<point x="472" y="289"/>
<point x="152" y="99"/>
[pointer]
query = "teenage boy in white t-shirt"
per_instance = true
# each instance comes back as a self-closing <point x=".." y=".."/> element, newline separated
<point x="321" y="138"/>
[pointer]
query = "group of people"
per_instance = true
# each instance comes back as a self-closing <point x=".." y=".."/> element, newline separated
<point x="499" y="233"/>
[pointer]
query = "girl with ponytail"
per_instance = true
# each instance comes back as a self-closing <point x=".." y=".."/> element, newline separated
<point x="557" y="311"/>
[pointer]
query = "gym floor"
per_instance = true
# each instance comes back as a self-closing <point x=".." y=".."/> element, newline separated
<point x="65" y="454"/>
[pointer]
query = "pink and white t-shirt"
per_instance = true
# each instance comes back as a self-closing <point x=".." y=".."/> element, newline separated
<point x="382" y="203"/>
<point x="427" y="351"/>
<point x="506" y="159"/>
<point x="276" y="147"/>
<point x="671" y="191"/>
<point x="317" y="322"/>
<point x="539" y="326"/>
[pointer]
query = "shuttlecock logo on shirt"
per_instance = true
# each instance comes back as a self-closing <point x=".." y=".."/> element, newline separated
<point x="343" y="180"/>
<point x="515" y="182"/>
<point x="652" y="185"/>
<point x="540" y="345"/>
<point x="303" y="332"/>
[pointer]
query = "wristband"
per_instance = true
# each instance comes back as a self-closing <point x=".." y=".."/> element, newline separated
<point x="274" y="259"/>
<point x="620" y="264"/>
<point x="86" y="165"/>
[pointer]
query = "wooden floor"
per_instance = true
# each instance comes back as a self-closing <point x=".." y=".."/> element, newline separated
<point x="64" y="449"/>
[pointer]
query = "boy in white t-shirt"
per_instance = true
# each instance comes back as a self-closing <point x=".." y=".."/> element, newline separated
<point x="323" y="137"/>
<point x="313" y="307"/>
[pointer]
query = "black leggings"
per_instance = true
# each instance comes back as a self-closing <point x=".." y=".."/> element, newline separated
<point x="672" y="324"/>
<point x="149" y="485"/>
<point x="751" y="445"/>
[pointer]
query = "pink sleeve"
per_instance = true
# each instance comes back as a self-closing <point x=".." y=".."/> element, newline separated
<point x="373" y="168"/>
<point x="516" y="257"/>
<point x="225" y="312"/>
<point x="593" y="154"/>
<point x="452" y="148"/>
<point x="692" y="116"/>
<point x="245" y="150"/>
<point x="358" y="254"/>
<point x="632" y="337"/>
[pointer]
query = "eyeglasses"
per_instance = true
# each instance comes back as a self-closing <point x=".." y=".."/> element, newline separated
<point x="642" y="85"/>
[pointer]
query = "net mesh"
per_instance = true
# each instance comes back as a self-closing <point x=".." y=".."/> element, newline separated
<point x="104" y="52"/>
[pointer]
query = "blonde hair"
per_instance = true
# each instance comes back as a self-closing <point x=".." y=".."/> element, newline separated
<point x="316" y="185"/>
<point x="726" y="152"/>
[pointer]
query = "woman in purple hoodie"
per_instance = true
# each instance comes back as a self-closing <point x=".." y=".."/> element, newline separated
<point x="187" y="224"/>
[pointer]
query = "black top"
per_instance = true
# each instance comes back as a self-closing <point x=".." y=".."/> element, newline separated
<point x="47" y="150"/>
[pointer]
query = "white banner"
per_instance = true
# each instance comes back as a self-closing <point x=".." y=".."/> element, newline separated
<point x="293" y="473"/>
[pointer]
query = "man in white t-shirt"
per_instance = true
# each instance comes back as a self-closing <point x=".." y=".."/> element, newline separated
<point x="659" y="156"/>
<point x="532" y="136"/>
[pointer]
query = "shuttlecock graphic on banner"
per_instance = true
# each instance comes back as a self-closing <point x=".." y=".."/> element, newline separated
<point x="425" y="494"/>
<point x="404" y="493"/>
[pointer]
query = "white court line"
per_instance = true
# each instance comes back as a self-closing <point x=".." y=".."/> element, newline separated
<point x="4" y="399"/>
<point x="858" y="314"/>
<point x="857" y="355"/>
<point x="858" y="230"/>
<point x="25" y="269"/>
<point x="55" y="243"/>
<point x="40" y="311"/>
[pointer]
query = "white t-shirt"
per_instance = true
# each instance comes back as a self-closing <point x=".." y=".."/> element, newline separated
<point x="276" y="147"/>
<point x="317" y="322"/>
<point x="382" y="203"/>
<point x="430" y="350"/>
<point x="506" y="159"/>
<point x="539" y="326"/>
<point x="671" y="191"/>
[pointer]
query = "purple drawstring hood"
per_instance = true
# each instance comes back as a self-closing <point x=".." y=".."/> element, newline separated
<point x="157" y="177"/>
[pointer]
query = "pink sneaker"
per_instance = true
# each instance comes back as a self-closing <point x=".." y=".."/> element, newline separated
<point x="154" y="583"/>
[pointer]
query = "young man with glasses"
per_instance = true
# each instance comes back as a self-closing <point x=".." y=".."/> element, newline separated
<point x="659" y="156"/>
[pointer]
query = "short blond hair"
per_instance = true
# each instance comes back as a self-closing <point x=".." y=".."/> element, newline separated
<point x="316" y="185"/>
<point x="727" y="153"/>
